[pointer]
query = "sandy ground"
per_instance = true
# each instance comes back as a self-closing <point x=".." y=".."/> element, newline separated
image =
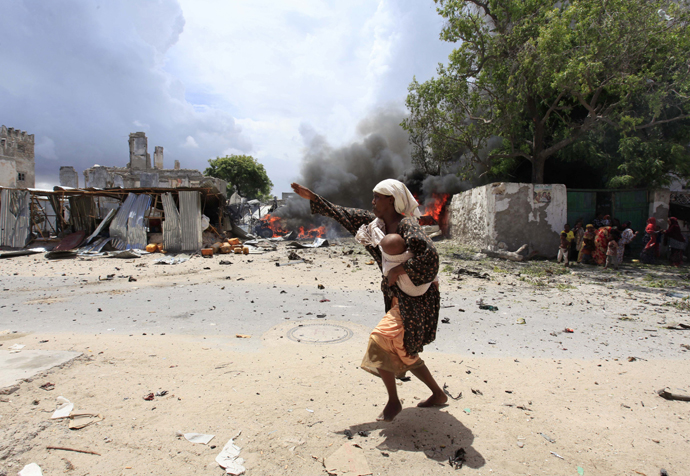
<point x="174" y="329"/>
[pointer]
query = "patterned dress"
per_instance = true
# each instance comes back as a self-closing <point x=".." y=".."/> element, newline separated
<point x="419" y="314"/>
<point x="601" y="243"/>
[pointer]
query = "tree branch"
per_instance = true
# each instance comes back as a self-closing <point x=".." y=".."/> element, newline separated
<point x="656" y="123"/>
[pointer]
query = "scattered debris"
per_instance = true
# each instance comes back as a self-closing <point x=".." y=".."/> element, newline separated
<point x="445" y="320"/>
<point x="48" y="386"/>
<point x="292" y="256"/>
<point x="476" y="392"/>
<point x="348" y="433"/>
<point x="474" y="274"/>
<point x="488" y="307"/>
<point x="665" y="393"/>
<point x="363" y="433"/>
<point x="456" y="461"/>
<point x="199" y="438"/>
<point x="548" y="438"/>
<point x="31" y="469"/>
<point x="318" y="243"/>
<point x="63" y="448"/>
<point x="243" y="336"/>
<point x="557" y="455"/>
<point x="16" y="348"/>
<point x="445" y="390"/>
<point x="229" y="457"/>
<point x="64" y="408"/>
<point x="521" y="320"/>
<point x="149" y="397"/>
<point x="161" y="393"/>
<point x="679" y="327"/>
<point x="82" y="420"/>
<point x="568" y="330"/>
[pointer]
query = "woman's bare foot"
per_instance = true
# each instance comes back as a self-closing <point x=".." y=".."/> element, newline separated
<point x="435" y="400"/>
<point x="390" y="411"/>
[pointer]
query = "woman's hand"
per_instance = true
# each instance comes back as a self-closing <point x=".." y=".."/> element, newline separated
<point x="303" y="192"/>
<point x="394" y="274"/>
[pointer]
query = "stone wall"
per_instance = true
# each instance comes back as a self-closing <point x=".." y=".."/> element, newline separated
<point x="509" y="215"/>
<point x="17" y="147"/>
<point x="69" y="177"/>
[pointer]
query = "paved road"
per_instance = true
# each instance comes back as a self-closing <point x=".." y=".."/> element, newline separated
<point x="211" y="305"/>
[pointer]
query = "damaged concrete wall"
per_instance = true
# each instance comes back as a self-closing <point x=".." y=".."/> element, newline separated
<point x="510" y="215"/>
<point x="17" y="147"/>
<point x="8" y="173"/>
<point x="69" y="177"/>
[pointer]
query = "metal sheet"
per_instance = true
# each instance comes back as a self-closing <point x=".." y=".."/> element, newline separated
<point x="136" y="231"/>
<point x="106" y="221"/>
<point x="190" y="220"/>
<point x="14" y="217"/>
<point x="172" y="232"/>
<point x="118" y="227"/>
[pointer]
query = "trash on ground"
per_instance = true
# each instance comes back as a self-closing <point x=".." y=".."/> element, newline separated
<point x="64" y="448"/>
<point x="126" y="254"/>
<point x="548" y="438"/>
<point x="469" y="272"/>
<point x="198" y="438"/>
<point x="64" y="408"/>
<point x="243" y="336"/>
<point x="16" y="348"/>
<point x="229" y="457"/>
<point x="665" y="393"/>
<point x="568" y="330"/>
<point x="31" y="469"/>
<point x="580" y="471"/>
<point x="48" y="386"/>
<point x="172" y="259"/>
<point x="447" y="392"/>
<point x="347" y="460"/>
<point x="445" y="320"/>
<point x="149" y="397"/>
<point x="292" y="256"/>
<point x="458" y="459"/>
<point x="521" y="320"/>
<point x="488" y="307"/>
<point x="476" y="391"/>
<point x="557" y="455"/>
<point x="82" y="420"/>
<point x="318" y="243"/>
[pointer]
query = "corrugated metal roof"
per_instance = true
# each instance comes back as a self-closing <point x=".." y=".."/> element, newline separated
<point x="14" y="218"/>
<point x="190" y="220"/>
<point x="172" y="233"/>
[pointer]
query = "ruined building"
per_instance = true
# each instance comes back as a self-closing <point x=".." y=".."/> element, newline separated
<point x="140" y="172"/>
<point x="17" y="163"/>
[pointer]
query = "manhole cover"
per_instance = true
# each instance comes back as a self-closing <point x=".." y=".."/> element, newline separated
<point x="319" y="334"/>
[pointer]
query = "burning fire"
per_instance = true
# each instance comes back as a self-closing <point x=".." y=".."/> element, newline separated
<point x="275" y="224"/>
<point x="435" y="207"/>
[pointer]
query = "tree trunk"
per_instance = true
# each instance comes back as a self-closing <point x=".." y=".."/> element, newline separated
<point x="538" y="169"/>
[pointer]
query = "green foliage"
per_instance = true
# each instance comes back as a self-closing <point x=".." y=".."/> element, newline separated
<point x="533" y="79"/>
<point x="244" y="175"/>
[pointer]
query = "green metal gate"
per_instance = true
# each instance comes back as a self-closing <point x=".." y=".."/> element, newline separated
<point x="581" y="204"/>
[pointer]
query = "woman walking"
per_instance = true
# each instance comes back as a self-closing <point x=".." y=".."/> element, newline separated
<point x="410" y="322"/>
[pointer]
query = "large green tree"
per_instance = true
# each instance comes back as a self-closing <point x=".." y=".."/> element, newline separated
<point x="531" y="79"/>
<point x="244" y="174"/>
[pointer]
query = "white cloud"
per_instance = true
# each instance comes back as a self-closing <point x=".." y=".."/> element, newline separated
<point x="190" y="143"/>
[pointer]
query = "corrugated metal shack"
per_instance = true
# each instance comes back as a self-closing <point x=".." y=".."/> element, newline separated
<point x="126" y="218"/>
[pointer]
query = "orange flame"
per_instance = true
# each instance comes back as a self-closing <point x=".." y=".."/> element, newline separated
<point x="276" y="225"/>
<point x="435" y="208"/>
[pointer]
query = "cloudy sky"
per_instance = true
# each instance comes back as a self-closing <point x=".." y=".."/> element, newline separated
<point x="206" y="78"/>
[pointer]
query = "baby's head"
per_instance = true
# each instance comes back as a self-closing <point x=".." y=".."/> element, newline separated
<point x="393" y="244"/>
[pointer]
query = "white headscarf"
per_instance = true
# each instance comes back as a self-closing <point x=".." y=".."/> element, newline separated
<point x="405" y="203"/>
